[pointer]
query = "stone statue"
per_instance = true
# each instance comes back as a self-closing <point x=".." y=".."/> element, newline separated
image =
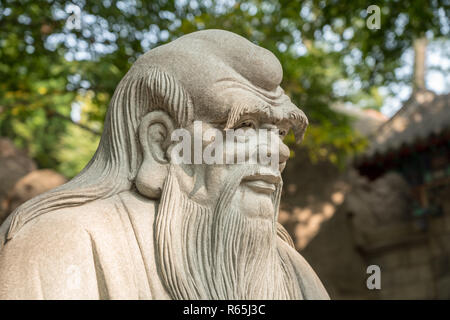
<point x="134" y="224"/>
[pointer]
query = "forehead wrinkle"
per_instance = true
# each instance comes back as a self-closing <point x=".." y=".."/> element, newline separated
<point x="275" y="97"/>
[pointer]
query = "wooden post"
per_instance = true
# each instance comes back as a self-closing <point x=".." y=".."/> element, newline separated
<point x="420" y="48"/>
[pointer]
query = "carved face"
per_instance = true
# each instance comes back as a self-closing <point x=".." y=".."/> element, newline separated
<point x="227" y="83"/>
<point x="204" y="183"/>
<point x="216" y="227"/>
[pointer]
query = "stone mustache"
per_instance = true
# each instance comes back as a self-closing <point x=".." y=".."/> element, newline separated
<point x="134" y="224"/>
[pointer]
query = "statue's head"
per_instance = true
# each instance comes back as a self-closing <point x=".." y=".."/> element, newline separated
<point x="216" y="225"/>
<point x="199" y="89"/>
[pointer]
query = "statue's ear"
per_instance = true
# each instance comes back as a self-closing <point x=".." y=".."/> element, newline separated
<point x="155" y="131"/>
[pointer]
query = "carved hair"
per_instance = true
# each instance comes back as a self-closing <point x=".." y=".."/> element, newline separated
<point x="114" y="165"/>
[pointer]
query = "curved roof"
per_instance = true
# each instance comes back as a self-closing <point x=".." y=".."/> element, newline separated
<point x="423" y="115"/>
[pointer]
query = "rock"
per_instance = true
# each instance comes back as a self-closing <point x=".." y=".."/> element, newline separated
<point x="32" y="185"/>
<point x="14" y="164"/>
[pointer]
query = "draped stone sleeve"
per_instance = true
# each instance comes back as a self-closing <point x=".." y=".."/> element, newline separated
<point x="310" y="285"/>
<point x="87" y="252"/>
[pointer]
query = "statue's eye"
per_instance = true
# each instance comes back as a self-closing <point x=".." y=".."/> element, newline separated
<point x="246" y="124"/>
<point x="282" y="132"/>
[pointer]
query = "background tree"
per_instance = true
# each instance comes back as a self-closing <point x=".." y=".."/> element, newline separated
<point x="52" y="69"/>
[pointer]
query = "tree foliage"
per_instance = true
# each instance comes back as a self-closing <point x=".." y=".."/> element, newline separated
<point x="47" y="66"/>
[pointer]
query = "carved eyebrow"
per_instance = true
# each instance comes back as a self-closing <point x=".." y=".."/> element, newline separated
<point x="238" y="111"/>
<point x="291" y="113"/>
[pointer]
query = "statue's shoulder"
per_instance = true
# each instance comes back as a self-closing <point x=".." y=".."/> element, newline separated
<point x="40" y="259"/>
<point x="59" y="227"/>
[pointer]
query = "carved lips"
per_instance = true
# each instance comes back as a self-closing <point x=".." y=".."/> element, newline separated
<point x="262" y="182"/>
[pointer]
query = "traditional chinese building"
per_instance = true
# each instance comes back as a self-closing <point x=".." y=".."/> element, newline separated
<point x="390" y="209"/>
<point x="415" y="143"/>
<point x="410" y="234"/>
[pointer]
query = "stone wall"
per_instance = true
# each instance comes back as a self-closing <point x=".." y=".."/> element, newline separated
<point x="415" y="263"/>
<point x="413" y="255"/>
<point x="405" y="263"/>
<point x="372" y="224"/>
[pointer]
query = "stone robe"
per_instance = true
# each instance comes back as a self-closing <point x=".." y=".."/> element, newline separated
<point x="101" y="250"/>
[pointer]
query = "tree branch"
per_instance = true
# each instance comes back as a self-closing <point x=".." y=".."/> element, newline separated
<point x="82" y="126"/>
<point x="53" y="113"/>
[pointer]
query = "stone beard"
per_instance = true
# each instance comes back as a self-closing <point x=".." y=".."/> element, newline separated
<point x="220" y="252"/>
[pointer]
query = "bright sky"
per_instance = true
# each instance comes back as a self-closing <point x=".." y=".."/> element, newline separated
<point x="438" y="56"/>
